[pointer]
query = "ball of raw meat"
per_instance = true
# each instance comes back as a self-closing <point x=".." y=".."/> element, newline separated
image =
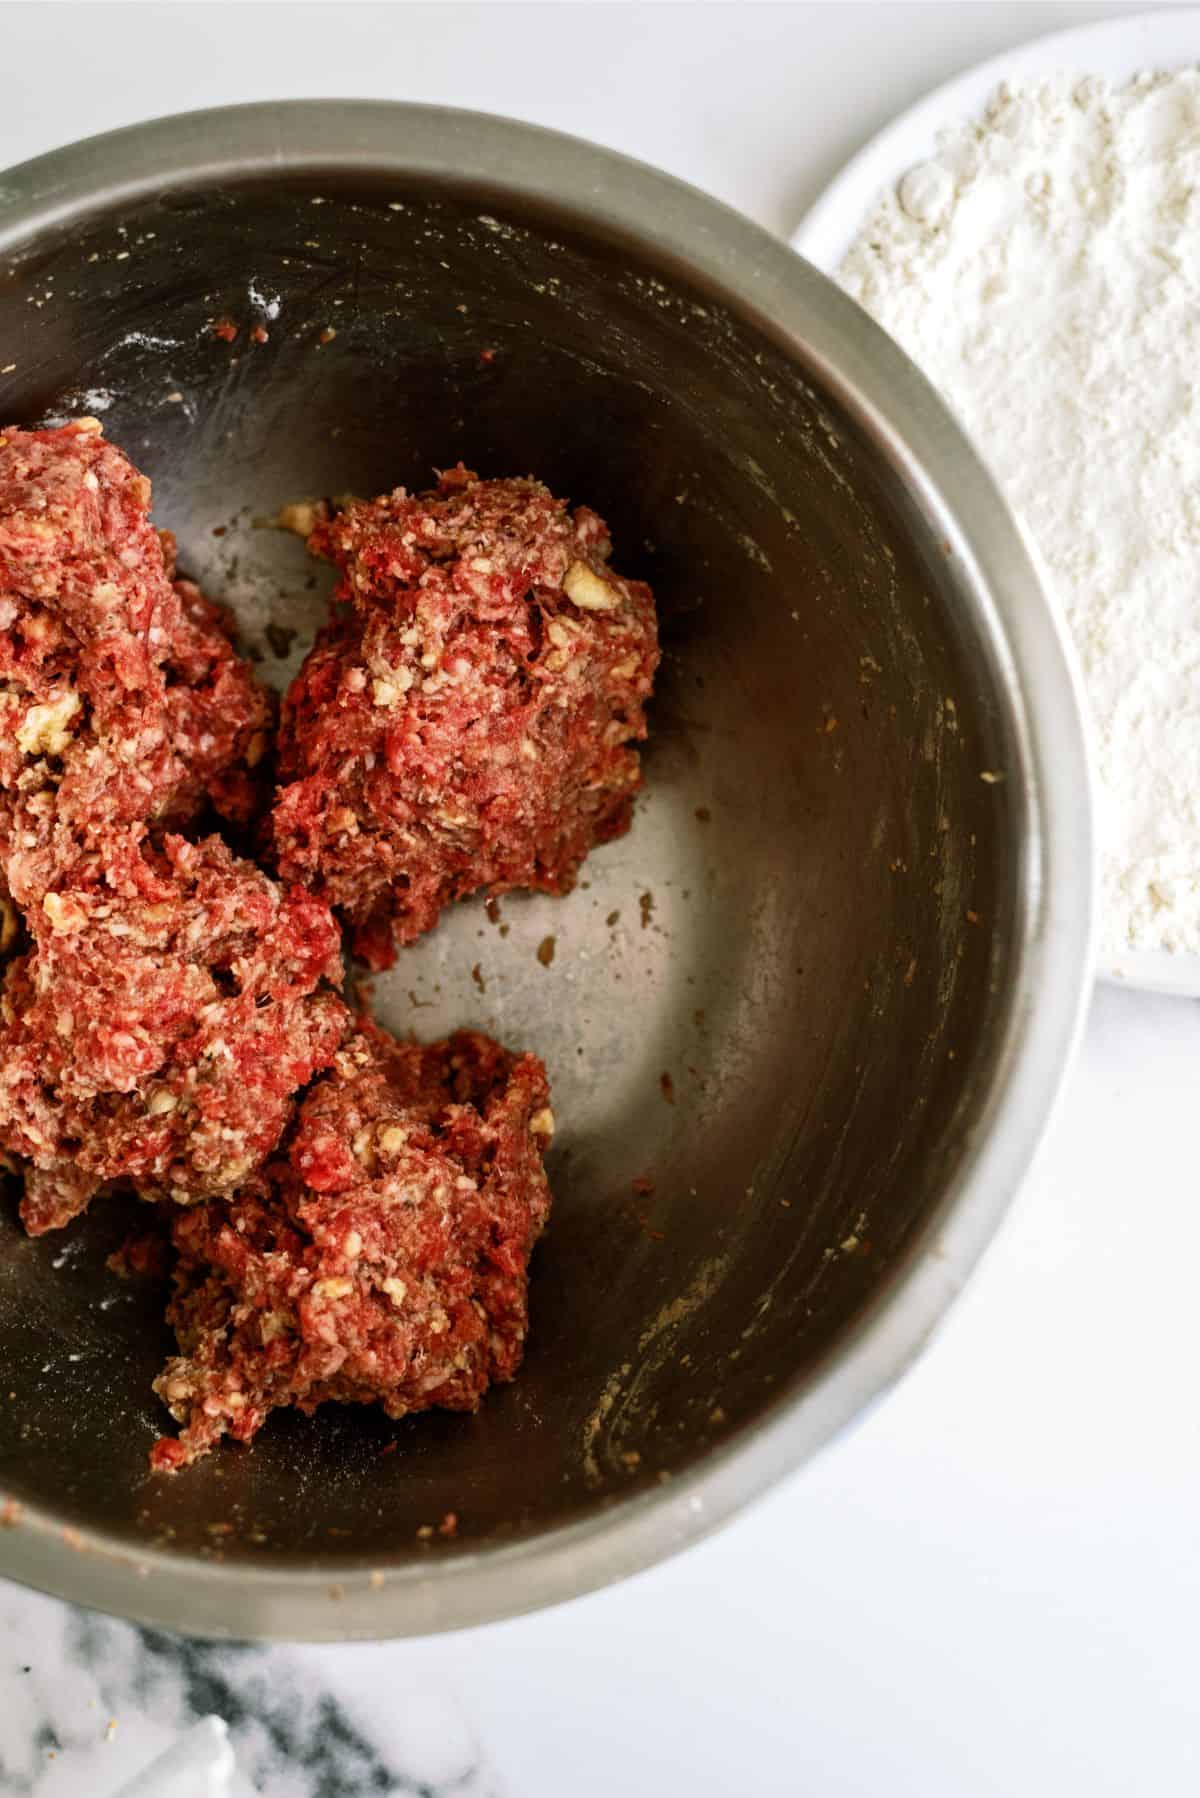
<point x="158" y="1030"/>
<point x="122" y="698"/>
<point x="382" y="1258"/>
<point x="467" y="719"/>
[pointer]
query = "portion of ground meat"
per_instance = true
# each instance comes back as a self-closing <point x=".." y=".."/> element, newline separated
<point x="122" y="699"/>
<point x="170" y="1002"/>
<point x="174" y="1002"/>
<point x="382" y="1259"/>
<point x="219" y="720"/>
<point x="78" y="548"/>
<point x="466" y="721"/>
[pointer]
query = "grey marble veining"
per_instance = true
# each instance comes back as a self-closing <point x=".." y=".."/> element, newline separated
<point x="86" y="1703"/>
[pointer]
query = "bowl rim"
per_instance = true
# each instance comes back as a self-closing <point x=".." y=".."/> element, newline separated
<point x="803" y="312"/>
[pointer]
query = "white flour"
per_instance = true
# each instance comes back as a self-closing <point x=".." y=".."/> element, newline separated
<point x="1044" y="271"/>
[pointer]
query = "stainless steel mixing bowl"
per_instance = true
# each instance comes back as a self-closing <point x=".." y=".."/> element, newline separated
<point x="805" y="1024"/>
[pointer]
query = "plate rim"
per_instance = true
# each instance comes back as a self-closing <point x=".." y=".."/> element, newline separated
<point x="1172" y="34"/>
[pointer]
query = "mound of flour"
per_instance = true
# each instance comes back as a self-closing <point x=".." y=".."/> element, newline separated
<point x="1044" y="271"/>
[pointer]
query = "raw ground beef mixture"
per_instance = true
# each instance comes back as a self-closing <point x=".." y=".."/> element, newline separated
<point x="352" y="1217"/>
<point x="383" y="1257"/>
<point x="122" y="699"/>
<point x="466" y="720"/>
<point x="172" y="1006"/>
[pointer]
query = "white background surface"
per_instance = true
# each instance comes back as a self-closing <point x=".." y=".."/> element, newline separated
<point x="992" y="1586"/>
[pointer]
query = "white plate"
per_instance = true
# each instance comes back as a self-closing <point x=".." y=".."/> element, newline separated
<point x="1117" y="49"/>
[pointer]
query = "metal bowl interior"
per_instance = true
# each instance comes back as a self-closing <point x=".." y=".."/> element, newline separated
<point x="788" y="1019"/>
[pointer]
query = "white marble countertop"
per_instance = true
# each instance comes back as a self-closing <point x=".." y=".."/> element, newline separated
<point x="989" y="1588"/>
